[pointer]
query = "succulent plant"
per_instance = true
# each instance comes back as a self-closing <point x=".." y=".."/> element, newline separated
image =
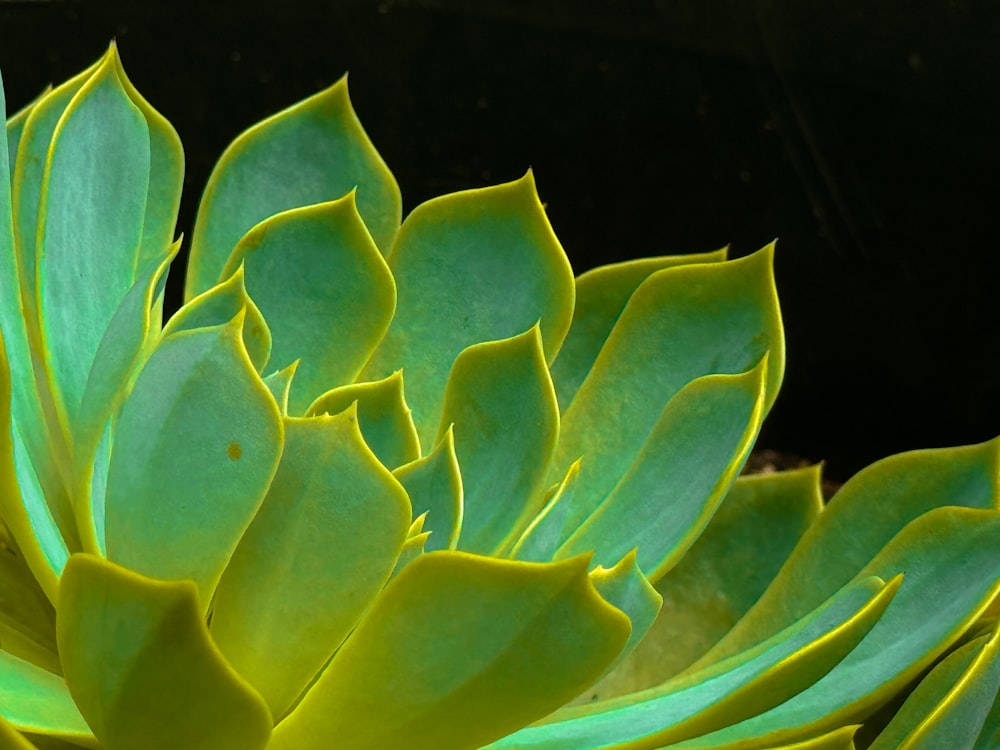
<point x="385" y="483"/>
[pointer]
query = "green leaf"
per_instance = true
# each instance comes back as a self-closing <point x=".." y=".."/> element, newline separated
<point x="727" y="568"/>
<point x="601" y="295"/>
<point x="196" y="446"/>
<point x="434" y="484"/>
<point x="838" y="739"/>
<point x="312" y="152"/>
<point x="383" y="416"/>
<point x="474" y="266"/>
<point x="325" y="291"/>
<point x="741" y="686"/>
<point x="949" y="706"/>
<point x="548" y="530"/>
<point x="321" y="547"/>
<point x="34" y="700"/>
<point x="15" y="127"/>
<point x="681" y="324"/>
<point x="458" y="651"/>
<point x="279" y="383"/>
<point x="142" y="667"/>
<point x="692" y="456"/>
<point x="951" y="557"/>
<point x="11" y="739"/>
<point x="25" y="611"/>
<point x="500" y="402"/>
<point x="219" y="305"/>
<point x="867" y="512"/>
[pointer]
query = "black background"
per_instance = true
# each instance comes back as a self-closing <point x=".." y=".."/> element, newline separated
<point x="862" y="135"/>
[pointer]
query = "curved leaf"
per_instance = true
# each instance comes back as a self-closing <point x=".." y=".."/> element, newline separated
<point x="434" y="484"/>
<point x="15" y="128"/>
<point x="37" y="701"/>
<point x="601" y="295"/>
<point x="196" y="446"/>
<point x="142" y="668"/>
<point x="548" y="530"/>
<point x="321" y="547"/>
<point x="279" y="383"/>
<point x="474" y="266"/>
<point x="500" y="402"/>
<point x="383" y="416"/>
<point x="312" y="152"/>
<point x="324" y="288"/>
<point x="458" y="651"/>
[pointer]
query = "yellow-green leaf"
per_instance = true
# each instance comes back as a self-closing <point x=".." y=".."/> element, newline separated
<point x="434" y="484"/>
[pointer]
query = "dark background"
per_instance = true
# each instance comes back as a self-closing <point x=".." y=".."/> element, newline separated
<point x="863" y="135"/>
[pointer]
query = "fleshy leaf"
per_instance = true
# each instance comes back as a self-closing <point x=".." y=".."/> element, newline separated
<point x="949" y="706"/>
<point x="91" y="211"/>
<point x="692" y="456"/>
<point x="413" y="547"/>
<point x="681" y="324"/>
<point x="434" y="484"/>
<point x="474" y="266"/>
<point x="321" y="547"/>
<point x="196" y="446"/>
<point x="15" y="128"/>
<point x="741" y="686"/>
<point x="312" y="152"/>
<point x="11" y="739"/>
<point x="548" y="530"/>
<point x="500" y="403"/>
<point x="838" y="739"/>
<point x="458" y="651"/>
<point x="871" y="508"/>
<point x="951" y="557"/>
<point x="25" y="610"/>
<point x="279" y="383"/>
<point x="601" y="295"/>
<point x="142" y="667"/>
<point x="722" y="575"/>
<point x="221" y="304"/>
<point x="34" y="700"/>
<point x="383" y="416"/>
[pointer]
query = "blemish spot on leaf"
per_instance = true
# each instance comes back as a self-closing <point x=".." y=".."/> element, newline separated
<point x="234" y="451"/>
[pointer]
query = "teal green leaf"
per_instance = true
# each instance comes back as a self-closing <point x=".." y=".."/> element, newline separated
<point x="500" y="402"/>
<point x="35" y="700"/>
<point x="474" y="266"/>
<point x="26" y="614"/>
<point x="91" y="211"/>
<point x="989" y="735"/>
<point x="601" y="295"/>
<point x="321" y="547"/>
<point x="312" y="152"/>
<point x="722" y="575"/>
<point x="15" y="127"/>
<point x="693" y="454"/>
<point x="279" y="383"/>
<point x="434" y="484"/>
<point x="142" y="668"/>
<point x="324" y="289"/>
<point x="548" y="530"/>
<point x="739" y="687"/>
<point x="681" y="324"/>
<point x="199" y="418"/>
<point x="868" y="511"/>
<point x="383" y="416"/>
<point x="951" y="557"/>
<point x="458" y="651"/>
<point x="221" y="304"/>
<point x="949" y="706"/>
<point x="414" y="546"/>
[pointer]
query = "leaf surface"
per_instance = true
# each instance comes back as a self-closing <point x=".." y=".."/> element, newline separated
<point x="434" y="484"/>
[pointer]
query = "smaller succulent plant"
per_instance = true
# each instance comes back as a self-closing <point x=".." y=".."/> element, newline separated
<point x="385" y="483"/>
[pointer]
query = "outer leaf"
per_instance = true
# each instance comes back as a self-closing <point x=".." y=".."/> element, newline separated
<point x="142" y="668"/>
<point x="459" y="651"/>
<point x="601" y="295"/>
<point x="692" y="456"/>
<point x="475" y="266"/>
<point x="321" y="547"/>
<point x="680" y="324"/>
<point x="196" y="447"/>
<point x="34" y="700"/>
<point x="383" y="416"/>
<point x="952" y="558"/>
<point x="91" y="211"/>
<point x="861" y="518"/>
<point x="500" y="400"/>
<point x="434" y="484"/>
<point x="15" y="128"/>
<point x="741" y="686"/>
<point x="323" y="287"/>
<point x="949" y="706"/>
<point x="312" y="152"/>
<point x="722" y="575"/>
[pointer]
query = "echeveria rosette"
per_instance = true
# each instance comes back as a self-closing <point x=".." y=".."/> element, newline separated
<point x="387" y="483"/>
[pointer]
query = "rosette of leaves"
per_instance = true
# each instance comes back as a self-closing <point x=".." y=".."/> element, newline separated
<point x="387" y="483"/>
